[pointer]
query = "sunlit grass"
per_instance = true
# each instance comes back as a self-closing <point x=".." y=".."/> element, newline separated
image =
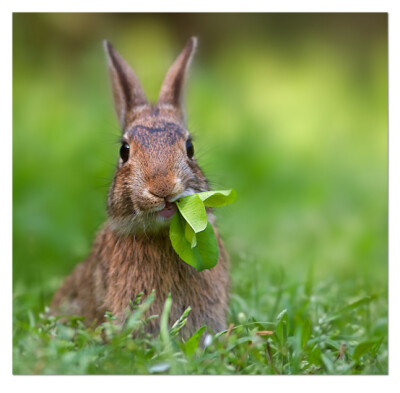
<point x="316" y="334"/>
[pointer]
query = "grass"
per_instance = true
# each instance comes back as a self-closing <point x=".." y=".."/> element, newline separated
<point x="288" y="110"/>
<point x="316" y="333"/>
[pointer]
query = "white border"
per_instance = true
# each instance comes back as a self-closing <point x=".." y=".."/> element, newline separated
<point x="199" y="383"/>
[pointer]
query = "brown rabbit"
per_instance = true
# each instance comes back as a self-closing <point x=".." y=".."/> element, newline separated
<point x="133" y="253"/>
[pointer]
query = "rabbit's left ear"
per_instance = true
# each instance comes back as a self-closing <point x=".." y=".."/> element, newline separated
<point x="171" y="92"/>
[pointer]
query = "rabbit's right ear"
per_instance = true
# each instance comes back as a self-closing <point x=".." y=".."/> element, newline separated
<point x="127" y="90"/>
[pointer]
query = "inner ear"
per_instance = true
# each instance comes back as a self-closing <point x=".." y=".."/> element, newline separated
<point x="171" y="92"/>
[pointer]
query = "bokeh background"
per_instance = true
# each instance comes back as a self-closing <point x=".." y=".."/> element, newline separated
<point x="288" y="109"/>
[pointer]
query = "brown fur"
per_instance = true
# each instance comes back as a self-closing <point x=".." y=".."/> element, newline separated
<point x="133" y="253"/>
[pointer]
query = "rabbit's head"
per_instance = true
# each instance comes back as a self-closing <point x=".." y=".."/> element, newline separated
<point x="156" y="164"/>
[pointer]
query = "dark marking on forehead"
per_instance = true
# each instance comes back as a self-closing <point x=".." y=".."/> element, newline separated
<point x="163" y="127"/>
<point x="167" y="132"/>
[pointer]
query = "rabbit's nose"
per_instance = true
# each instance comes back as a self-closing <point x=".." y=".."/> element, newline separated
<point x="161" y="188"/>
<point x="161" y="193"/>
<point x="165" y="189"/>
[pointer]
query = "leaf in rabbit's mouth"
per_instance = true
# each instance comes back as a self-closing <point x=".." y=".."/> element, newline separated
<point x="168" y="211"/>
<point x="192" y="237"/>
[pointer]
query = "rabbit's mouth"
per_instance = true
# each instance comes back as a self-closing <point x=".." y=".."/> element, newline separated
<point x="168" y="211"/>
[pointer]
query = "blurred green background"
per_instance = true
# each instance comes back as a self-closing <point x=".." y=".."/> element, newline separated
<point x="288" y="109"/>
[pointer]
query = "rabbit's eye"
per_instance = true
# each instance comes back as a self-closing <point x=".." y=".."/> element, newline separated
<point x="189" y="148"/>
<point x="124" y="151"/>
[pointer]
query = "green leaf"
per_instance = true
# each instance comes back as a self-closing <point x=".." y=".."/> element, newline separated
<point x="362" y="348"/>
<point x="206" y="251"/>
<point x="178" y="240"/>
<point x="217" y="198"/>
<point x="192" y="344"/>
<point x="193" y="211"/>
<point x="204" y="255"/>
<point x="190" y="235"/>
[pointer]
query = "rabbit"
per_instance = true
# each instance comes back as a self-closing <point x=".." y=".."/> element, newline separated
<point x="132" y="252"/>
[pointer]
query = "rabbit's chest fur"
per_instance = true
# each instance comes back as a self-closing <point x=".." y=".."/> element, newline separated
<point x="121" y="266"/>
